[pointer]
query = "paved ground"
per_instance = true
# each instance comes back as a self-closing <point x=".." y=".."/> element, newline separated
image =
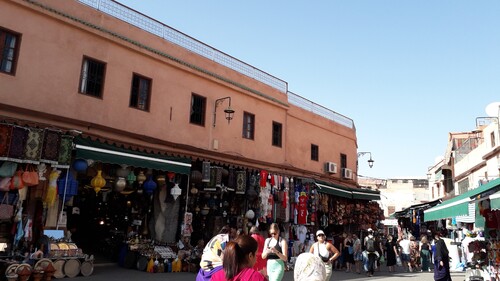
<point x="112" y="272"/>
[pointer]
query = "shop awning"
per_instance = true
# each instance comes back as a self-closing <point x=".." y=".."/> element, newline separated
<point x="495" y="201"/>
<point x="334" y="189"/>
<point x="459" y="206"/>
<point x="365" y="194"/>
<point x="347" y="192"/>
<point x="108" y="153"/>
<point x="421" y="206"/>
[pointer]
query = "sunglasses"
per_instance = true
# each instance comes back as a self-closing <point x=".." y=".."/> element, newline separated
<point x="321" y="235"/>
<point x="273" y="233"/>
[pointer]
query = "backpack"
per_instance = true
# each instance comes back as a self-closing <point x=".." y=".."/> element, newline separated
<point x="370" y="245"/>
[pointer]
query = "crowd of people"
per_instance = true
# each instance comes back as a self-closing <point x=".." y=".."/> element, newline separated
<point x="235" y="255"/>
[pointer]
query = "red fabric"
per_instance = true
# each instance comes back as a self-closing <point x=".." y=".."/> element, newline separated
<point x="260" y="263"/>
<point x="244" y="275"/>
<point x="263" y="178"/>
<point x="490" y="217"/>
<point x="302" y="210"/>
<point x="284" y="202"/>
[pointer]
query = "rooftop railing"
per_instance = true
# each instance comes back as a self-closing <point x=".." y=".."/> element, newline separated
<point x="174" y="36"/>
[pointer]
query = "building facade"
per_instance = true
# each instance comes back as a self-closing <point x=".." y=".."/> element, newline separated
<point x="141" y="114"/>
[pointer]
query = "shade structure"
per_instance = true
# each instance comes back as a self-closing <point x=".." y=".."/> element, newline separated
<point x="109" y="153"/>
<point x="459" y="205"/>
<point x="347" y="192"/>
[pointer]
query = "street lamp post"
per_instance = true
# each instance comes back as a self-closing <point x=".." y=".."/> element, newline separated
<point x="370" y="161"/>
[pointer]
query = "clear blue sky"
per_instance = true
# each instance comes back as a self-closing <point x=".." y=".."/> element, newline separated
<point x="407" y="72"/>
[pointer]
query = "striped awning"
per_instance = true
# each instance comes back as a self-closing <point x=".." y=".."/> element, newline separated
<point x="459" y="205"/>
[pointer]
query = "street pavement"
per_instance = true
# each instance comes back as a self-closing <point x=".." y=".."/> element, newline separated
<point x="112" y="272"/>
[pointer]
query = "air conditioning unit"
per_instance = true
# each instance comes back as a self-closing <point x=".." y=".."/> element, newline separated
<point x="331" y="167"/>
<point x="347" y="173"/>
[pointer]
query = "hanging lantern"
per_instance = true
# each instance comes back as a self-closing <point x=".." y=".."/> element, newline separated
<point x="252" y="194"/>
<point x="196" y="176"/>
<point x="171" y="176"/>
<point x="71" y="186"/>
<point x="80" y="165"/>
<point x="194" y="190"/>
<point x="98" y="182"/>
<point x="149" y="186"/>
<point x="122" y="172"/>
<point x="141" y="177"/>
<point x="120" y="184"/>
<point x="161" y="179"/>
<point x="176" y="191"/>
<point x="205" y="210"/>
<point x="131" y="178"/>
<point x="250" y="214"/>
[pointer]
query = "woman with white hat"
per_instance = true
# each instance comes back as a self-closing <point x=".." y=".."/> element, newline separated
<point x="326" y="251"/>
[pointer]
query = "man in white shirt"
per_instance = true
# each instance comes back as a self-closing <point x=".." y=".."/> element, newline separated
<point x="405" y="252"/>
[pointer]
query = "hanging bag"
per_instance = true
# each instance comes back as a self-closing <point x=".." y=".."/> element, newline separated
<point x="30" y="176"/>
<point x="8" y="169"/>
<point x="5" y="184"/>
<point x="6" y="210"/>
<point x="17" y="181"/>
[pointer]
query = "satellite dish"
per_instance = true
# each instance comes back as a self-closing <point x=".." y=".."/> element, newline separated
<point x="493" y="109"/>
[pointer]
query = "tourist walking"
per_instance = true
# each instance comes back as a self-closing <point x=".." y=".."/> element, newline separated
<point x="326" y="251"/>
<point x="260" y="264"/>
<point x="276" y="253"/>
<point x="441" y="260"/>
<point x="425" y="253"/>
<point x="391" y="250"/>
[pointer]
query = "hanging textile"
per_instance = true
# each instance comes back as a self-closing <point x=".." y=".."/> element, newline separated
<point x="205" y="172"/>
<point x="64" y="159"/>
<point x="218" y="176"/>
<point x="33" y="148"/>
<point x="241" y="182"/>
<point x="51" y="146"/>
<point x="263" y="178"/>
<point x="17" y="144"/>
<point x="5" y="136"/>
<point x="231" y="180"/>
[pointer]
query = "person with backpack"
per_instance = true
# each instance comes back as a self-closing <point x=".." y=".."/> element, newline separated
<point x="371" y="252"/>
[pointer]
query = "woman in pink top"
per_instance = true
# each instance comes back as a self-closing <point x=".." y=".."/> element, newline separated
<point x="239" y="257"/>
<point x="260" y="265"/>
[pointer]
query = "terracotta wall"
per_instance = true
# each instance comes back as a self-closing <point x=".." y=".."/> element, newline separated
<point x="48" y="73"/>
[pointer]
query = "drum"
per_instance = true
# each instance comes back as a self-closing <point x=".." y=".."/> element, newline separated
<point x="23" y="267"/>
<point x="142" y="263"/>
<point x="42" y="264"/>
<point x="72" y="268"/>
<point x="63" y="249"/>
<point x="130" y="260"/>
<point x="72" y="249"/>
<point x="59" y="267"/>
<point x="54" y="250"/>
<point x="87" y="268"/>
<point x="11" y="271"/>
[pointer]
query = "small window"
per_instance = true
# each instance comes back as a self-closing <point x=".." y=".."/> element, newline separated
<point x="92" y="77"/>
<point x="141" y="92"/>
<point x="277" y="134"/>
<point x="492" y="137"/>
<point x="248" y="125"/>
<point x="343" y="161"/>
<point x="9" y="50"/>
<point x="314" y="152"/>
<point x="197" y="112"/>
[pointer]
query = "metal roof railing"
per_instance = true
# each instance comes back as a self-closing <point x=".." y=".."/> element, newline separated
<point x="174" y="36"/>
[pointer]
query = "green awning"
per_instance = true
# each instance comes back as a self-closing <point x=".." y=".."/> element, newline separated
<point x="495" y="201"/>
<point x="334" y="189"/>
<point x="365" y="194"/>
<point x="347" y="192"/>
<point x="459" y="205"/>
<point x="108" y="153"/>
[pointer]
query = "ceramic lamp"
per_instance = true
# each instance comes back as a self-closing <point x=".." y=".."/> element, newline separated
<point x="98" y="182"/>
